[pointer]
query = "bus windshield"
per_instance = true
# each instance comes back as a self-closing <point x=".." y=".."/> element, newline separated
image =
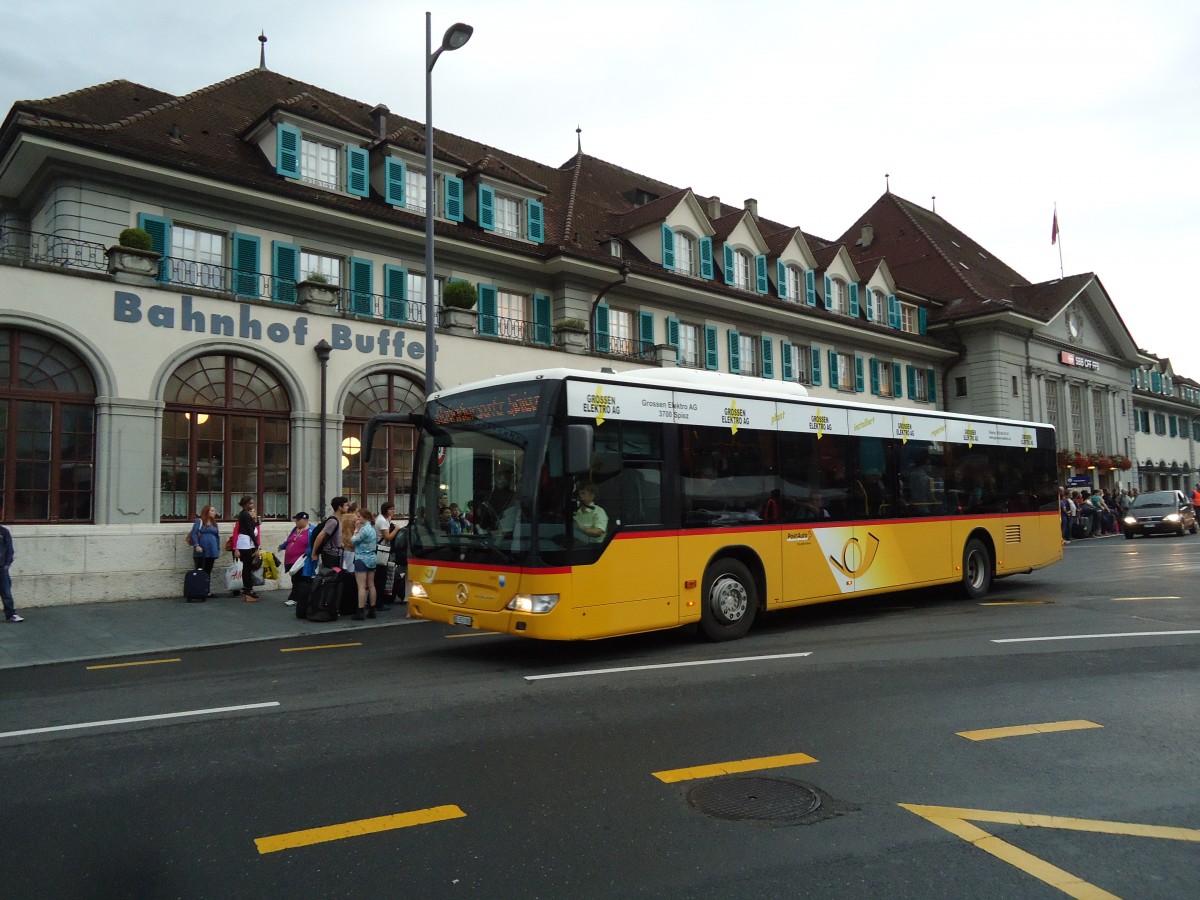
<point x="490" y="481"/>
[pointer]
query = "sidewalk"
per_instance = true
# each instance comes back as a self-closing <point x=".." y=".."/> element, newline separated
<point x="88" y="631"/>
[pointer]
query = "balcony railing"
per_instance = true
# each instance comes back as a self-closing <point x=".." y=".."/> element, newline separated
<point x="19" y="245"/>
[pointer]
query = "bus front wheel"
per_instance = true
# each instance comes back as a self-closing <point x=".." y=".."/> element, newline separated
<point x="730" y="601"/>
<point x="976" y="569"/>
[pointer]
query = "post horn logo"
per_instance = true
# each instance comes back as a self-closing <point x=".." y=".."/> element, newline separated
<point x="460" y="593"/>
<point x="857" y="558"/>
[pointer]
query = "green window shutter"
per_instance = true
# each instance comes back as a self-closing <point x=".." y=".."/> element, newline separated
<point x="768" y="357"/>
<point x="1171" y="421"/>
<point x="785" y="357"/>
<point x="893" y="311"/>
<point x="874" y="376"/>
<point x="285" y="270"/>
<point x="487" y="208"/>
<point x="853" y="300"/>
<point x="541" y="318"/>
<point x="781" y="279"/>
<point x="287" y="151"/>
<point x="487" y="309"/>
<point x="735" y="352"/>
<point x="362" y="297"/>
<point x="828" y="292"/>
<point x="911" y="374"/>
<point x="922" y="319"/>
<point x="668" y="247"/>
<point x="602" y="342"/>
<point x="645" y="331"/>
<point x="1156" y="382"/>
<point x="760" y="274"/>
<point x="810" y="287"/>
<point x="897" y="384"/>
<point x="815" y="355"/>
<point x="245" y="265"/>
<point x="395" y="293"/>
<point x="159" y="230"/>
<point x="870" y="305"/>
<point x="452" y="199"/>
<point x="931" y="385"/>
<point x="673" y="335"/>
<point x="535" y="221"/>
<point x="833" y="370"/>
<point x="858" y="374"/>
<point x="728" y="263"/>
<point x="706" y="258"/>
<point x="394" y="181"/>
<point x="710" y="347"/>
<point x="358" y="181"/>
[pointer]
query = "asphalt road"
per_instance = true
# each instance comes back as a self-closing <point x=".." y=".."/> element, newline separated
<point x="430" y="762"/>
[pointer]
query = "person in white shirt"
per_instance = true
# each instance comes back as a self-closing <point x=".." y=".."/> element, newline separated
<point x="591" y="519"/>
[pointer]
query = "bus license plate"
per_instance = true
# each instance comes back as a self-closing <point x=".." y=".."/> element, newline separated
<point x="462" y="620"/>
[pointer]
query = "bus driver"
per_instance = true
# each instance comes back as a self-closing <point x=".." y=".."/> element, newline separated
<point x="590" y="518"/>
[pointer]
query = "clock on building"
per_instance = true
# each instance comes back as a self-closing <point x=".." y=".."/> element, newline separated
<point x="1074" y="324"/>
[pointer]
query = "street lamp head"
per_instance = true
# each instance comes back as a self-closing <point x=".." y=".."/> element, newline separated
<point x="456" y="35"/>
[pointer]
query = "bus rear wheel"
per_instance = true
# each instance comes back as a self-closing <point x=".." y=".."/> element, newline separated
<point x="730" y="601"/>
<point x="976" y="569"/>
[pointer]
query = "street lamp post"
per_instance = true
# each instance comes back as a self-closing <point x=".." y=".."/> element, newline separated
<point x="456" y="35"/>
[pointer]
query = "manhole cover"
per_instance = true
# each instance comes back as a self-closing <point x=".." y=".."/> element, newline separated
<point x="769" y="801"/>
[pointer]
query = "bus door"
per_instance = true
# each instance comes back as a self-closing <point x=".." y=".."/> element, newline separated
<point x="818" y="539"/>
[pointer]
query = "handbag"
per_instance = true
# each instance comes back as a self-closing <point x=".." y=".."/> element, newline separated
<point x="233" y="576"/>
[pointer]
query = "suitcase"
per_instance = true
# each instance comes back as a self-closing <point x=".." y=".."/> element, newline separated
<point x="302" y="587"/>
<point x="349" y="596"/>
<point x="196" y="586"/>
<point x="324" y="597"/>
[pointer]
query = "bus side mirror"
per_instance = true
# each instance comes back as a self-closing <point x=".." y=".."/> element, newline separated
<point x="377" y="422"/>
<point x="579" y="449"/>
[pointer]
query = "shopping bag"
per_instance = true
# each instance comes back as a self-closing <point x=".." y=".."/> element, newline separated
<point x="270" y="570"/>
<point x="233" y="577"/>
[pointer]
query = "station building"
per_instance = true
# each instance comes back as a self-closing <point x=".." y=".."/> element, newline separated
<point x="283" y="302"/>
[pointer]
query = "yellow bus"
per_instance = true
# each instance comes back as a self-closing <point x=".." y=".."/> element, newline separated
<point x="599" y="504"/>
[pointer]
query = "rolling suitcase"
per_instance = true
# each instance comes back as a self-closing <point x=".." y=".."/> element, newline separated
<point x="302" y="587"/>
<point x="196" y="585"/>
<point x="323" y="600"/>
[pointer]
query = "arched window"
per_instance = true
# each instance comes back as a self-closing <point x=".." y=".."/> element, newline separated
<point x="388" y="478"/>
<point x="225" y="434"/>
<point x="47" y="430"/>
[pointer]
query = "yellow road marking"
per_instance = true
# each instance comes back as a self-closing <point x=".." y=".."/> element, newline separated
<point x="1015" y="602"/>
<point x="728" y="768"/>
<point x="957" y="822"/>
<point x="988" y="734"/>
<point x="1147" y="598"/>
<point x="473" y="634"/>
<point x="144" y="662"/>
<point x="276" y="842"/>
<point x="319" y="647"/>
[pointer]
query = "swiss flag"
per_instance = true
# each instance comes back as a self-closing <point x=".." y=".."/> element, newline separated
<point x="1054" y="229"/>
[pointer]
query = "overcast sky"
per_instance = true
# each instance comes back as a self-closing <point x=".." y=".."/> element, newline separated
<point x="998" y="110"/>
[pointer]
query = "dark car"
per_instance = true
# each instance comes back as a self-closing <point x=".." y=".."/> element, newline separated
<point x="1159" y="512"/>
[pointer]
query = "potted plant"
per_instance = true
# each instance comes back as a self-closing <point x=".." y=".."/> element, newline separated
<point x="316" y="289"/>
<point x="133" y="255"/>
<point x="572" y="335"/>
<point x="458" y="305"/>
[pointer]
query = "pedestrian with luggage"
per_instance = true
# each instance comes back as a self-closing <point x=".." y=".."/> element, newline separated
<point x="247" y="547"/>
<point x="295" y="547"/>
<point x="385" y="566"/>
<point x="205" y="539"/>
<point x="365" y="540"/>
<point x="7" y="555"/>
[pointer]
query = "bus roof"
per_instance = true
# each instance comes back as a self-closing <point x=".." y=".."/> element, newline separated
<point x="704" y="381"/>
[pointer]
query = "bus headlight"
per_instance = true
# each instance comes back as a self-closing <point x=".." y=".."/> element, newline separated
<point x="417" y="592"/>
<point x="533" y="603"/>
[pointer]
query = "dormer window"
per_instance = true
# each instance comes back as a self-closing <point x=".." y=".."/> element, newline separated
<point x="745" y="271"/>
<point x="319" y="164"/>
<point x="793" y="284"/>
<point x="317" y="159"/>
<point x="841" y="297"/>
<point x="510" y="216"/>
<point x="876" y="305"/>
<point x="685" y="254"/>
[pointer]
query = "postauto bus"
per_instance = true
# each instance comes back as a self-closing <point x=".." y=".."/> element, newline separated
<point x="723" y="497"/>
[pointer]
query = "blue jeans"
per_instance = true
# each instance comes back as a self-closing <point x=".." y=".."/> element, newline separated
<point x="6" y="593"/>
